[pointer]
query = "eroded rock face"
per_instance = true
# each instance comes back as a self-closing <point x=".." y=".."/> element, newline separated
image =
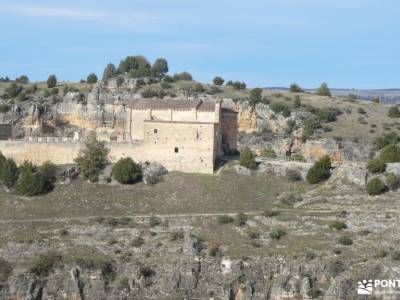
<point x="338" y="151"/>
<point x="190" y="278"/>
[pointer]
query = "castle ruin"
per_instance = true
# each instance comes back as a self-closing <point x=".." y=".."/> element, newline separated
<point x="183" y="135"/>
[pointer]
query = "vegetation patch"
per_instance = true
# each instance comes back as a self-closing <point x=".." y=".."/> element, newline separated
<point x="43" y="265"/>
<point x="126" y="171"/>
<point x="376" y="187"/>
<point x="277" y="233"/>
<point x="247" y="159"/>
<point x="320" y="171"/>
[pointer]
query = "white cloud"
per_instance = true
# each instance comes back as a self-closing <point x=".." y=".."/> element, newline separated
<point x="54" y="12"/>
<point x="125" y="19"/>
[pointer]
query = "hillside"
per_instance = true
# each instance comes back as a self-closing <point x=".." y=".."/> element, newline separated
<point x="239" y="234"/>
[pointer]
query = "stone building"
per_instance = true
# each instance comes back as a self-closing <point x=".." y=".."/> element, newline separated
<point x="178" y="122"/>
<point x="182" y="135"/>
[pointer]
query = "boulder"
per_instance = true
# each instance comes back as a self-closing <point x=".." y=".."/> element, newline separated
<point x="356" y="173"/>
<point x="393" y="168"/>
<point x="240" y="170"/>
<point x="68" y="173"/>
<point x="152" y="173"/>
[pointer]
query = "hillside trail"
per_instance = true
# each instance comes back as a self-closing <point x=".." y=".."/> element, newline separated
<point x="189" y="215"/>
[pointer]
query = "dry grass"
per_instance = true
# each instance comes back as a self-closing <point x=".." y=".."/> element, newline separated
<point x="177" y="194"/>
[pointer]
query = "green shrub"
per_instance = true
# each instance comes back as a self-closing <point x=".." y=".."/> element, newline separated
<point x="199" y="88"/>
<point x="390" y="154"/>
<point x="270" y="213"/>
<point x="5" y="270"/>
<point x="2" y="161"/>
<point x="9" y="173"/>
<point x="27" y="166"/>
<point x="91" y="79"/>
<point x="396" y="255"/>
<point x="361" y="111"/>
<point x="310" y="125"/>
<point x="255" y="97"/>
<point x="225" y="219"/>
<point x="13" y="90"/>
<point x="218" y="80"/>
<point x="392" y="181"/>
<point x="51" y="81"/>
<point x="31" y="183"/>
<point x="277" y="233"/>
<point x="160" y="67"/>
<point x="135" y="66"/>
<point x="327" y="114"/>
<point x="183" y="76"/>
<point x="280" y="107"/>
<point x="394" y="112"/>
<point x="336" y="266"/>
<point x="109" y="71"/>
<point x="247" y="159"/>
<point x="42" y="265"/>
<point x="237" y="85"/>
<point x="241" y="219"/>
<point x="376" y="187"/>
<point x="376" y="165"/>
<point x="323" y="90"/>
<point x="386" y="139"/>
<point x="337" y="225"/>
<point x="49" y="172"/>
<point x="297" y="101"/>
<point x="149" y="93"/>
<point x="314" y="293"/>
<point x="320" y="171"/>
<point x="22" y="79"/>
<point x="92" y="158"/>
<point x="126" y="171"/>
<point x="345" y="241"/>
<point x="105" y="265"/>
<point x="295" y="88"/>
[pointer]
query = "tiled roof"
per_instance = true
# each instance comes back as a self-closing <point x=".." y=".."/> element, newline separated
<point x="171" y="104"/>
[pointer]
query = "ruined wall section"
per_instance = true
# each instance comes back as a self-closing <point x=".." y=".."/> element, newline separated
<point x="229" y="130"/>
<point x="192" y="157"/>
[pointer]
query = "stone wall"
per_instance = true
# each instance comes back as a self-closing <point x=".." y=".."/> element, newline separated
<point x="192" y="157"/>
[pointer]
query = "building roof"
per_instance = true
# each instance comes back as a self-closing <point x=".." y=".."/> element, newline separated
<point x="164" y="104"/>
<point x="228" y="110"/>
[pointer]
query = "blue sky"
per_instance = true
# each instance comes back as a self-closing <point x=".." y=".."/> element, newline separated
<point x="347" y="43"/>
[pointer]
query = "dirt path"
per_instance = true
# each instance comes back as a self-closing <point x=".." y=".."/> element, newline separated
<point x="169" y="216"/>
